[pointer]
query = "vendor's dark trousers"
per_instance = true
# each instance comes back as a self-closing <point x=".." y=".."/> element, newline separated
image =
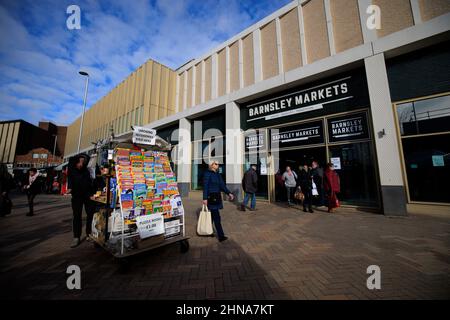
<point x="215" y="214"/>
<point x="77" y="208"/>
<point x="30" y="197"/>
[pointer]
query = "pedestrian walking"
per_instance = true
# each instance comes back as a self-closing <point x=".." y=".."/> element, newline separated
<point x="250" y="186"/>
<point x="81" y="187"/>
<point x="290" y="182"/>
<point x="213" y="185"/>
<point x="306" y="185"/>
<point x="317" y="175"/>
<point x="32" y="187"/>
<point x="6" y="184"/>
<point x="331" y="187"/>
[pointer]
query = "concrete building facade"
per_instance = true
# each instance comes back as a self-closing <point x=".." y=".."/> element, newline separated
<point x="314" y="80"/>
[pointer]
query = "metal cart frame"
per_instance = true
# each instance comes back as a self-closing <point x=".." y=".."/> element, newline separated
<point x="182" y="239"/>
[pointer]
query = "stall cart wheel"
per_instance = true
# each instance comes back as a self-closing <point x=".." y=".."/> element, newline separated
<point x="184" y="246"/>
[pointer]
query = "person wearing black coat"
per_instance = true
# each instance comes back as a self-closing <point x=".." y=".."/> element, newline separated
<point x="81" y="187"/>
<point x="317" y="175"/>
<point x="32" y="187"/>
<point x="250" y="186"/>
<point x="305" y="182"/>
<point x="6" y="184"/>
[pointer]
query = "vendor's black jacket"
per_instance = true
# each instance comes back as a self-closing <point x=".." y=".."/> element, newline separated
<point x="80" y="182"/>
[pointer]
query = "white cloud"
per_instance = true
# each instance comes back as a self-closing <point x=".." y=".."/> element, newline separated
<point x="40" y="58"/>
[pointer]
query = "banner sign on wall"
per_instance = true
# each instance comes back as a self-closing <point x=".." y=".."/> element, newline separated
<point x="350" y="127"/>
<point x="301" y="101"/>
<point x="298" y="135"/>
<point x="255" y="141"/>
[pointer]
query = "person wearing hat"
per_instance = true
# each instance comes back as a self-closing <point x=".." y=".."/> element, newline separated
<point x="250" y="186"/>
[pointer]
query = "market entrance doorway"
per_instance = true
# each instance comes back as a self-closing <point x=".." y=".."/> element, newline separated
<point x="294" y="159"/>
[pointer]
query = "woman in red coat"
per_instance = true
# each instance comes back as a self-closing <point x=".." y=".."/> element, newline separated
<point x="331" y="186"/>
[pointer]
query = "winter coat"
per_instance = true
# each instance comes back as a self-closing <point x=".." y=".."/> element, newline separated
<point x="213" y="183"/>
<point x="36" y="186"/>
<point x="331" y="181"/>
<point x="305" y="180"/>
<point x="317" y="174"/>
<point x="79" y="181"/>
<point x="250" y="181"/>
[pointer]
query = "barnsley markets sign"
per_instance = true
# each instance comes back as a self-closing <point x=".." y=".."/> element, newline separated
<point x="310" y="99"/>
<point x="143" y="135"/>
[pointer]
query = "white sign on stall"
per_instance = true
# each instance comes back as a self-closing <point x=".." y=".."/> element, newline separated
<point x="143" y="135"/>
<point x="336" y="163"/>
<point x="150" y="225"/>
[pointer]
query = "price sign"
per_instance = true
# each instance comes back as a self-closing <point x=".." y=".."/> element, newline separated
<point x="150" y="225"/>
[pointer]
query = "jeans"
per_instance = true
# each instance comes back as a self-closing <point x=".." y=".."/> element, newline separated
<point x="252" y="196"/>
<point x="77" y="207"/>
<point x="289" y="191"/>
<point x="215" y="215"/>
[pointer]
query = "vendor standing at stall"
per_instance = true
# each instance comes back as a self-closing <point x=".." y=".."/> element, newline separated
<point x="81" y="187"/>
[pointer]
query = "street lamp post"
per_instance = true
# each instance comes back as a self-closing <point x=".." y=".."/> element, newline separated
<point x="54" y="147"/>
<point x="83" y="73"/>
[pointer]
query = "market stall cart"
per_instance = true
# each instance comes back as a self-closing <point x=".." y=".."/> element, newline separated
<point x="139" y="207"/>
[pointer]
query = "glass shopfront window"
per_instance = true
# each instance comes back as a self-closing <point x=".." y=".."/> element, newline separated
<point x="262" y="169"/>
<point x="424" y="128"/>
<point x="203" y="152"/>
<point x="256" y="153"/>
<point x="355" y="165"/>
<point x="343" y="139"/>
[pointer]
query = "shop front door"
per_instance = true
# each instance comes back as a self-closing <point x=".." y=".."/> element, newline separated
<point x="294" y="159"/>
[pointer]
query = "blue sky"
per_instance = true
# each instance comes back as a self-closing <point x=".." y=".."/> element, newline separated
<point x="40" y="57"/>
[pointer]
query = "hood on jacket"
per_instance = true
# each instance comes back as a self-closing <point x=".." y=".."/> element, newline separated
<point x="74" y="160"/>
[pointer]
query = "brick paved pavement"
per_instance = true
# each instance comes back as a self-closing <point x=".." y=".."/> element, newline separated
<point x="274" y="253"/>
